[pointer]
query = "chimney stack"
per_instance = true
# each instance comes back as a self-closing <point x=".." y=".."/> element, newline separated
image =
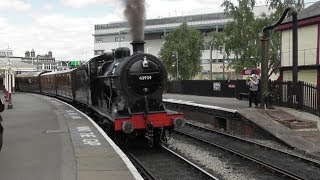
<point x="138" y="46"/>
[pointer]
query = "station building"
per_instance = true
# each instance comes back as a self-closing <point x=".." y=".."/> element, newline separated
<point x="29" y="63"/>
<point x="42" y="62"/>
<point x="113" y="35"/>
<point x="308" y="46"/>
<point x="9" y="61"/>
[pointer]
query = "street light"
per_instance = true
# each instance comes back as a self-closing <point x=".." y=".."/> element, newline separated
<point x="177" y="62"/>
<point x="211" y="49"/>
<point x="223" y="63"/>
<point x="148" y="49"/>
<point x="119" y="39"/>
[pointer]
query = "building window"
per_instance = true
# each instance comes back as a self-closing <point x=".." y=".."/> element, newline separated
<point x="119" y="38"/>
<point x="99" y="40"/>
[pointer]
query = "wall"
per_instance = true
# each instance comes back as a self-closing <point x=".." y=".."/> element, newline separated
<point x="308" y="76"/>
<point x="307" y="46"/>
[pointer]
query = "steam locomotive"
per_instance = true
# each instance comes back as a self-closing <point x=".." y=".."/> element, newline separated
<point x="124" y="90"/>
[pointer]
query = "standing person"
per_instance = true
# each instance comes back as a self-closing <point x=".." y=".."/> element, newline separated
<point x="253" y="83"/>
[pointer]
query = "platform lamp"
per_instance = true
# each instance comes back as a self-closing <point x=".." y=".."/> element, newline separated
<point x="10" y="81"/>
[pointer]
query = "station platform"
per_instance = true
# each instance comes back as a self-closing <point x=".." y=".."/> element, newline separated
<point x="297" y="129"/>
<point x="47" y="139"/>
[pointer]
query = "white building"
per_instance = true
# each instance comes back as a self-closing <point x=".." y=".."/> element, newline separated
<point x="110" y="36"/>
<point x="8" y="60"/>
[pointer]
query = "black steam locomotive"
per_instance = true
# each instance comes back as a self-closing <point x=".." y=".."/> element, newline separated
<point x="123" y="90"/>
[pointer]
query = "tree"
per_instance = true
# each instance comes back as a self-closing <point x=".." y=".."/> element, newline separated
<point x="186" y="45"/>
<point x="240" y="36"/>
<point x="280" y="5"/>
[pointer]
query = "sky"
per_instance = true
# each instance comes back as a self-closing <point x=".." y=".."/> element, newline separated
<point x="65" y="27"/>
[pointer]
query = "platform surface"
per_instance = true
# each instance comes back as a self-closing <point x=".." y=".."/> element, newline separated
<point x="46" y="139"/>
<point x="305" y="140"/>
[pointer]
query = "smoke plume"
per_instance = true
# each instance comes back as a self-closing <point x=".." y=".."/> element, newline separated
<point x="135" y="14"/>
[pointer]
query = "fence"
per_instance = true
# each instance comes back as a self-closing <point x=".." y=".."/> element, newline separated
<point x="306" y="98"/>
<point x="217" y="88"/>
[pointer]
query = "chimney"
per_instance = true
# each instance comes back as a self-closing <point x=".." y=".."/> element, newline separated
<point x="50" y="54"/>
<point x="138" y="46"/>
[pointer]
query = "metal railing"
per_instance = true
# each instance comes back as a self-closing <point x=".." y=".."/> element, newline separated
<point x="307" y="97"/>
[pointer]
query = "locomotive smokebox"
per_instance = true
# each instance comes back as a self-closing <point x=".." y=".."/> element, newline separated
<point x="138" y="46"/>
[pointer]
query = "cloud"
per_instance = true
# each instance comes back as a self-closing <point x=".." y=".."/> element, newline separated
<point x="14" y="4"/>
<point x="48" y="6"/>
<point x="166" y="8"/>
<point x="84" y="3"/>
<point x="69" y="38"/>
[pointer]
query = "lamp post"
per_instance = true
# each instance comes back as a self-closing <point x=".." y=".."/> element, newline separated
<point x="9" y="82"/>
<point x="211" y="49"/>
<point x="177" y="62"/>
<point x="119" y="39"/>
<point x="223" y="63"/>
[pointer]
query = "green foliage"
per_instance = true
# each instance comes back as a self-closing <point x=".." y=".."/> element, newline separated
<point x="188" y="43"/>
<point x="241" y="36"/>
<point x="280" y="5"/>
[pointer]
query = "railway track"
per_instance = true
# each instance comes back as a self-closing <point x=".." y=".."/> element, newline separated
<point x="163" y="163"/>
<point x="285" y="163"/>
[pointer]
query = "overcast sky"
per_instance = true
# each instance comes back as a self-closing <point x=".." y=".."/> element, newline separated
<point x="65" y="27"/>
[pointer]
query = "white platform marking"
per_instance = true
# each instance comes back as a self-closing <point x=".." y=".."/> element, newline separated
<point x="125" y="159"/>
<point x="199" y="105"/>
<point x="85" y="132"/>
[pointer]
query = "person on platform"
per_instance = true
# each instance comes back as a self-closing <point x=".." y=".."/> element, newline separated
<point x="253" y="84"/>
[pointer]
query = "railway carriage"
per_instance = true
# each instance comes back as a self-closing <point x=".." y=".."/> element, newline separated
<point x="48" y="85"/>
<point x="124" y="89"/>
<point x="29" y="82"/>
<point x="65" y="84"/>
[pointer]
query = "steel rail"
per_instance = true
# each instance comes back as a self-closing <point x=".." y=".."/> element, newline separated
<point x="246" y="156"/>
<point x="209" y="176"/>
<point x="308" y="160"/>
<point x="143" y="171"/>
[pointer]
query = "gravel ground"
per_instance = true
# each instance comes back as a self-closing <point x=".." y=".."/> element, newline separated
<point x="163" y="165"/>
<point x="228" y="167"/>
<point x="300" y="167"/>
<point x="266" y="142"/>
